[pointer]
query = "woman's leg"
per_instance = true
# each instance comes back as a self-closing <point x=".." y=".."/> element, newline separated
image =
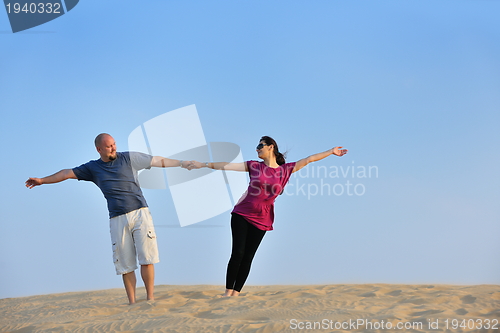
<point x="253" y="239"/>
<point x="239" y="228"/>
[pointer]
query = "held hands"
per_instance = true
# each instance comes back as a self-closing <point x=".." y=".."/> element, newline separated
<point x="338" y="151"/>
<point x="197" y="165"/>
<point x="186" y="165"/>
<point x="190" y="165"/>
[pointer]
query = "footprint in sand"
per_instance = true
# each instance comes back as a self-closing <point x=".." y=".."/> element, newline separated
<point x="207" y="315"/>
<point x="414" y="300"/>
<point x="469" y="299"/>
<point x="146" y="305"/>
<point x="394" y="293"/>
<point x="255" y="318"/>
<point x="427" y="312"/>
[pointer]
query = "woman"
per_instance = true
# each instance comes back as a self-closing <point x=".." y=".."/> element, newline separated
<point x="253" y="215"/>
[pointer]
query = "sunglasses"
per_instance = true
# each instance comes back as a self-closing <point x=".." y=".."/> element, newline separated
<point x="261" y="145"/>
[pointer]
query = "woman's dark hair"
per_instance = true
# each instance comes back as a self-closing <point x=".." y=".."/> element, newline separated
<point x="280" y="158"/>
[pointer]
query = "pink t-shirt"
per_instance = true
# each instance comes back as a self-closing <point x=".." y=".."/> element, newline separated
<point x="266" y="183"/>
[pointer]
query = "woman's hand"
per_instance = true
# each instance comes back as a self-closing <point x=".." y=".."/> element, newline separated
<point x="196" y="165"/>
<point x="338" y="151"/>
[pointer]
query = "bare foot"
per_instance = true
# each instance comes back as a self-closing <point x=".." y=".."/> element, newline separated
<point x="228" y="293"/>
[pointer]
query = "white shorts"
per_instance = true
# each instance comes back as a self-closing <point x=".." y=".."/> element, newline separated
<point x="133" y="235"/>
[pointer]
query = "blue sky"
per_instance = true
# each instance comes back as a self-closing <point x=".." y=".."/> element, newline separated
<point x="410" y="87"/>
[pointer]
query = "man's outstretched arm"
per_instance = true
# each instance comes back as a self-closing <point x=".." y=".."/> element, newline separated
<point x="55" y="178"/>
<point x="163" y="162"/>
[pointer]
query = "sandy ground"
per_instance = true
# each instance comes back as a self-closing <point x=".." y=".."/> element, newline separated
<point x="312" y="308"/>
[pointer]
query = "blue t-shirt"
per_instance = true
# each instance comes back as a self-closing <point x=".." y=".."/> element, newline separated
<point x="117" y="180"/>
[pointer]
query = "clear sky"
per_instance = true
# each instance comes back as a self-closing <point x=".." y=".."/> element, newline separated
<point x="411" y="88"/>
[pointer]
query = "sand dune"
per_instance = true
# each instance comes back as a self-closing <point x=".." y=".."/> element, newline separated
<point x="320" y="308"/>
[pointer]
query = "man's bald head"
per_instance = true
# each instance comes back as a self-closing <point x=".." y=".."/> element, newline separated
<point x="106" y="147"/>
<point x="98" y="139"/>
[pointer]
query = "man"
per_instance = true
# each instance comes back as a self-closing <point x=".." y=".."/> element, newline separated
<point x="132" y="229"/>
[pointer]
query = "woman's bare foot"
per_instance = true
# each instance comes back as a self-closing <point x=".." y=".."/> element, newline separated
<point x="228" y="293"/>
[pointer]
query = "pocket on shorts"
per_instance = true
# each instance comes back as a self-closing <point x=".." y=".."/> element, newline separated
<point x="115" y="252"/>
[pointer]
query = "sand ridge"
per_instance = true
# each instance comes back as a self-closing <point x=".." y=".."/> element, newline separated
<point x="260" y="309"/>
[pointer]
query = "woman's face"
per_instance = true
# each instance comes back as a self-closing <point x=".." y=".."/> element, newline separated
<point x="263" y="150"/>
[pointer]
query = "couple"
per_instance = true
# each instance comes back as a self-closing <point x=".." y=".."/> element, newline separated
<point x="131" y="225"/>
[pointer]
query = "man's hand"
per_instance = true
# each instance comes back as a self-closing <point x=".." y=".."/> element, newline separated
<point x="32" y="182"/>
<point x="188" y="165"/>
<point x="196" y="165"/>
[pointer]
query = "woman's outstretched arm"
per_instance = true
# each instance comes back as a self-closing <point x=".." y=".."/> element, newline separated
<point x="319" y="156"/>
<point x="220" y="166"/>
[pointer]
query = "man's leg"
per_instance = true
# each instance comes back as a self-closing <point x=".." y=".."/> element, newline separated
<point x="148" y="276"/>
<point x="129" y="281"/>
<point x="124" y="255"/>
<point x="147" y="249"/>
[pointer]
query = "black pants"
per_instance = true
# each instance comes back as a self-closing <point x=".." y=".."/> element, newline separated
<point x="246" y="240"/>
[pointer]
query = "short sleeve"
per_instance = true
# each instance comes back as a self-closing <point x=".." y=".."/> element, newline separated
<point x="83" y="172"/>
<point x="290" y="167"/>
<point x="288" y="171"/>
<point x="252" y="166"/>
<point x="140" y="161"/>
